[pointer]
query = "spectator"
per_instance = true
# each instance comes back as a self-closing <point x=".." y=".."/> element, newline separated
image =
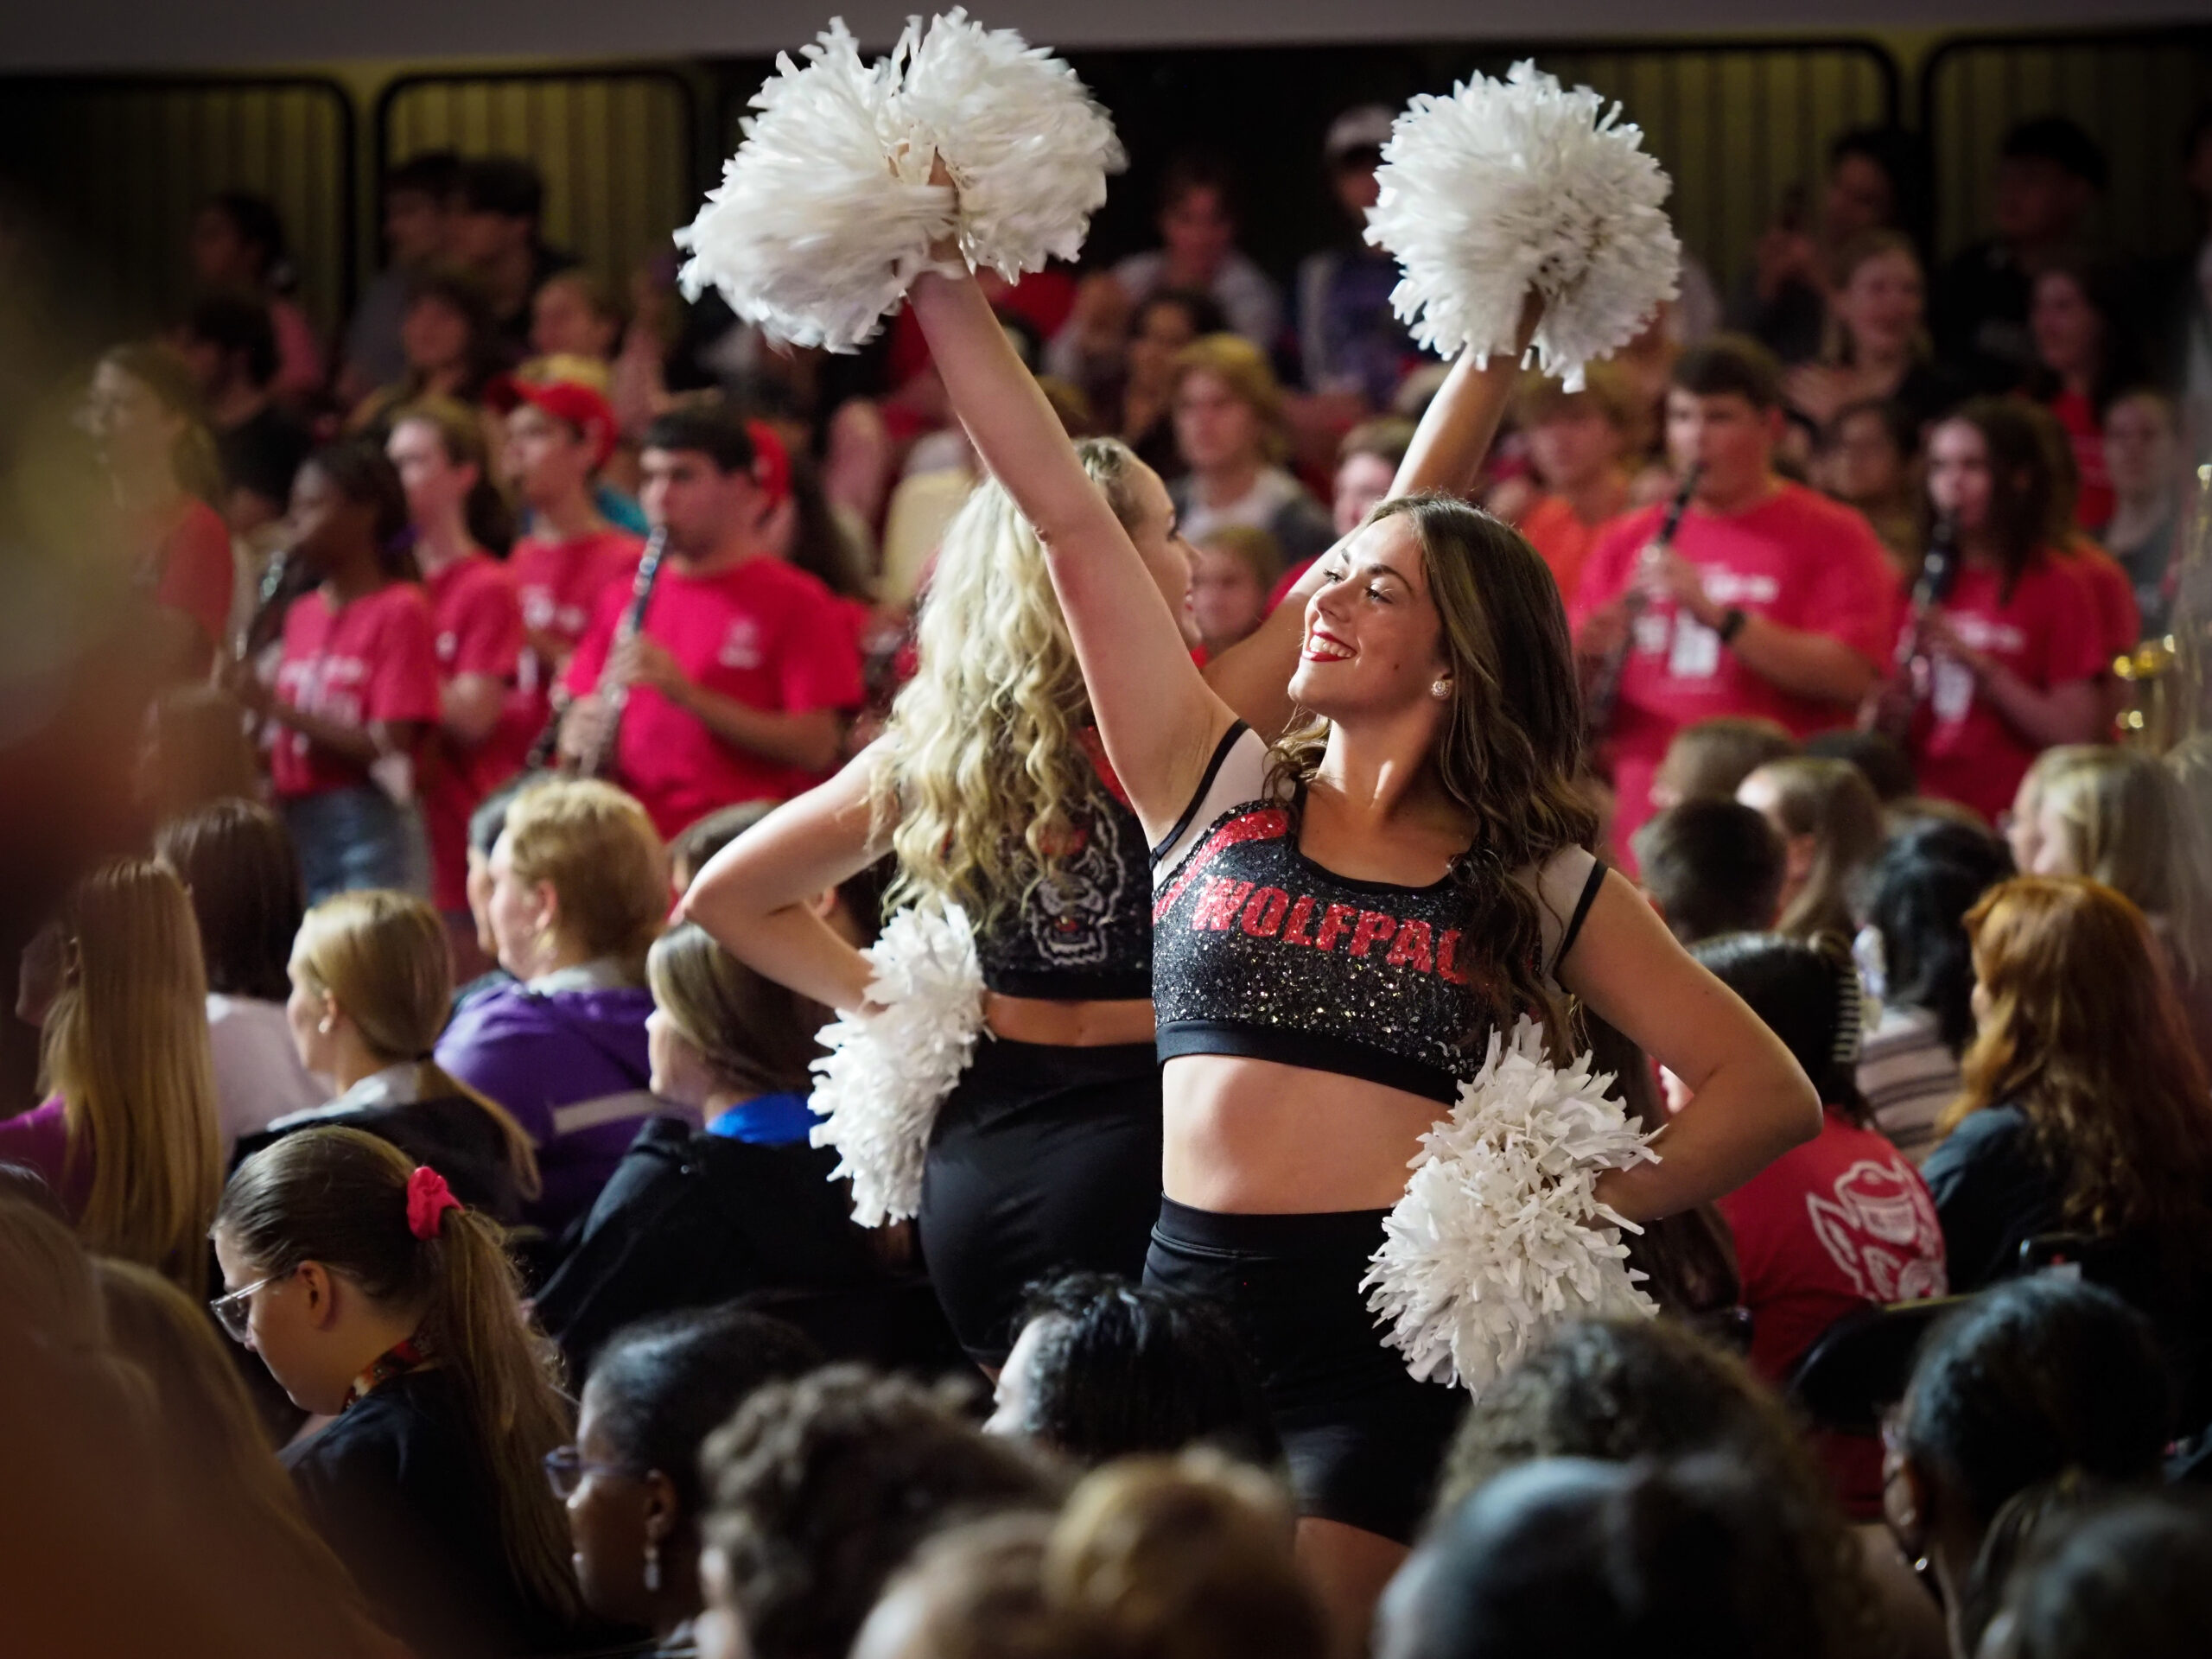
<point x="1102" y="1369"/>
<point x="239" y="870"/>
<point x="2015" y="649"/>
<point x="437" y="447"/>
<point x="357" y="684"/>
<point x="822" y="1488"/>
<point x="1866" y="461"/>
<point x="144" y="414"/>
<point x="1831" y="824"/>
<point x="346" y="1267"/>
<point x="728" y="1045"/>
<point x="370" y="987"/>
<point x="498" y="204"/>
<point x="2133" y="1576"/>
<point x="1709" y="762"/>
<point x="1569" y="1557"/>
<point x="2024" y="824"/>
<point x="1350" y="344"/>
<point x="2015" y="1387"/>
<point x="2050" y="176"/>
<point x="1710" y="869"/>
<point x="579" y="888"/>
<point x="486" y="824"/>
<point x="2119" y="626"/>
<point x="577" y="313"/>
<point x="1367" y="465"/>
<point x="1167" y="321"/>
<point x="2142" y="459"/>
<point x="417" y="224"/>
<point x="450" y="343"/>
<point x="2082" y="358"/>
<point x="197" y="752"/>
<point x="1235" y="567"/>
<point x="1880" y="759"/>
<point x="1773" y="601"/>
<point x="1913" y="900"/>
<point x="632" y="1481"/>
<point x="228" y="341"/>
<point x="1840" y="1223"/>
<point x="1582" y="445"/>
<point x="128" y="1137"/>
<point x="739" y="677"/>
<point x="239" y="246"/>
<point x="1228" y="427"/>
<point x="1876" y="348"/>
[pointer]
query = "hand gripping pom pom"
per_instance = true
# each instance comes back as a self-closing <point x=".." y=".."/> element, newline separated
<point x="1513" y="184"/>
<point x="890" y="1067"/>
<point x="1499" y="1235"/>
<point x="826" y="214"/>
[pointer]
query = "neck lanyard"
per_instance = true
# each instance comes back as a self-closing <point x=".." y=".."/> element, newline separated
<point x="407" y="1354"/>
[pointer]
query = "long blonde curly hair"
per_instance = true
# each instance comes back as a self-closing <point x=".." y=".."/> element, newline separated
<point x="985" y="776"/>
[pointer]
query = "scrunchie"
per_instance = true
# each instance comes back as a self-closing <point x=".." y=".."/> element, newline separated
<point x="429" y="1198"/>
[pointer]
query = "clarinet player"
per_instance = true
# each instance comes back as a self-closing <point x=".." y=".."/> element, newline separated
<point x="737" y="680"/>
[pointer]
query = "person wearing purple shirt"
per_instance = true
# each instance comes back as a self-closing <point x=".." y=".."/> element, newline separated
<point x="579" y="890"/>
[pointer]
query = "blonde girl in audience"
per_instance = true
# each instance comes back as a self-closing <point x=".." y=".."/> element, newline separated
<point x="128" y="1136"/>
<point x="1831" y="827"/>
<point x="376" y="1298"/>
<point x="730" y="1043"/>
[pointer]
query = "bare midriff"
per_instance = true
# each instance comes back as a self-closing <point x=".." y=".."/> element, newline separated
<point x="1069" y="1025"/>
<point x="1253" y="1137"/>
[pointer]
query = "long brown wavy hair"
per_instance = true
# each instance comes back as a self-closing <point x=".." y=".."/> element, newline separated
<point x="1510" y="752"/>
<point x="2081" y="1028"/>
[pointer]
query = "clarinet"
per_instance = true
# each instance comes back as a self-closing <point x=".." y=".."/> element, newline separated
<point x="612" y="698"/>
<point x="1606" y="685"/>
<point x="1891" y="716"/>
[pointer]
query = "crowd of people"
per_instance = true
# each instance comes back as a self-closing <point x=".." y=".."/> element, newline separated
<point x="420" y="1235"/>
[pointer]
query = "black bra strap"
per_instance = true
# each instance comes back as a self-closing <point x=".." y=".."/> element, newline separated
<point x="1237" y="728"/>
<point x="1581" y="913"/>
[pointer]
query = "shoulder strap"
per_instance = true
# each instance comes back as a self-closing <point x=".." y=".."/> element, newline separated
<point x="1194" y="814"/>
<point x="1590" y="889"/>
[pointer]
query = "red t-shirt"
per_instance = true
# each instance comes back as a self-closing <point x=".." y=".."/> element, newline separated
<point x="192" y="571"/>
<point x="2049" y="634"/>
<point x="1843" y="1221"/>
<point x="560" y="584"/>
<point x="2093" y="508"/>
<point x="373" y="659"/>
<point x="1797" y="558"/>
<point x="478" y="621"/>
<point x="763" y="634"/>
<point x="1563" y="541"/>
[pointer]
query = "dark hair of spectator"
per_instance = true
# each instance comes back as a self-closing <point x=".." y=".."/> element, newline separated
<point x="823" y="1486"/>
<point x="819" y="544"/>
<point x="490" y="817"/>
<point x="238" y="326"/>
<point x="1916" y="894"/>
<point x="460" y="290"/>
<point x="712" y="431"/>
<point x="236" y="861"/>
<point x="2061" y="141"/>
<point x="432" y="173"/>
<point x="1883" y="762"/>
<point x="2029" y="1379"/>
<point x="1196" y="171"/>
<point x="490" y="522"/>
<point x="1809" y="997"/>
<point x="2132" y="1576"/>
<point x="360" y="471"/>
<point x="1714" y="867"/>
<point x="21" y="1184"/>
<point x="1902" y="157"/>
<point x="1897" y="422"/>
<point x="261" y="228"/>
<point x="659" y="1388"/>
<point x="505" y="185"/>
<point x="2021" y="482"/>
<point x="1201" y="308"/>
<point x="1122" y="1369"/>
<point x="2104" y="288"/>
<point x="1731" y="365"/>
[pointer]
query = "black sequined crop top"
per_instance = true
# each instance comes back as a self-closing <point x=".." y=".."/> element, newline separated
<point x="1259" y="951"/>
<point x="1084" y="934"/>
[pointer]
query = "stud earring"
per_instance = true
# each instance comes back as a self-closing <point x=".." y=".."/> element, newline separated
<point x="652" y="1564"/>
<point x="1441" y="689"/>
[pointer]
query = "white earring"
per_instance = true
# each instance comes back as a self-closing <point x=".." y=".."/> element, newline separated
<point x="652" y="1564"/>
<point x="1441" y="689"/>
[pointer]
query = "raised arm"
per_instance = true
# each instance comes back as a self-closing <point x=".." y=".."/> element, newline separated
<point x="1159" y="719"/>
<point x="755" y="896"/>
<point x="1753" y="1101"/>
<point x="1253" y="677"/>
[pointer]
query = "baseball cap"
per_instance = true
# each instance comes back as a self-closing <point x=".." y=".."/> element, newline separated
<point x="1366" y="126"/>
<point x="567" y="400"/>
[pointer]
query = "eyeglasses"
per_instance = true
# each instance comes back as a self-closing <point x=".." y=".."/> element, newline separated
<point x="566" y="1467"/>
<point x="234" y="1310"/>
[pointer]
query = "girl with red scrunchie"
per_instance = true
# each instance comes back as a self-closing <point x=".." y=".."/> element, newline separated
<point x="377" y="1299"/>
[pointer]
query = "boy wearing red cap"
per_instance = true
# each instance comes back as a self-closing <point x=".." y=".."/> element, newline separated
<point x="738" y="680"/>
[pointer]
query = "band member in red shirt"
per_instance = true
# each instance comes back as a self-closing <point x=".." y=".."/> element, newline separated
<point x="1774" y="601"/>
<point x="739" y="677"/>
<point x="2013" y="655"/>
<point x="438" y="447"/>
<point x="559" y="435"/>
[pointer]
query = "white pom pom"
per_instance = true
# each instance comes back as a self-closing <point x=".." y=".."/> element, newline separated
<point x="888" y="1070"/>
<point x="1499" y="1237"/>
<point x="822" y="217"/>
<point x="1513" y="184"/>
<point x="1025" y="143"/>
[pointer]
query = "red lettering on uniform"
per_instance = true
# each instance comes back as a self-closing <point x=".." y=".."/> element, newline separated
<point x="1334" y="920"/>
<point x="1373" y="925"/>
<point x="1262" y="917"/>
<point x="1265" y="824"/>
<point x="1301" y="913"/>
<point x="1447" y="948"/>
<point x="1411" y="948"/>
<point x="1218" y="905"/>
